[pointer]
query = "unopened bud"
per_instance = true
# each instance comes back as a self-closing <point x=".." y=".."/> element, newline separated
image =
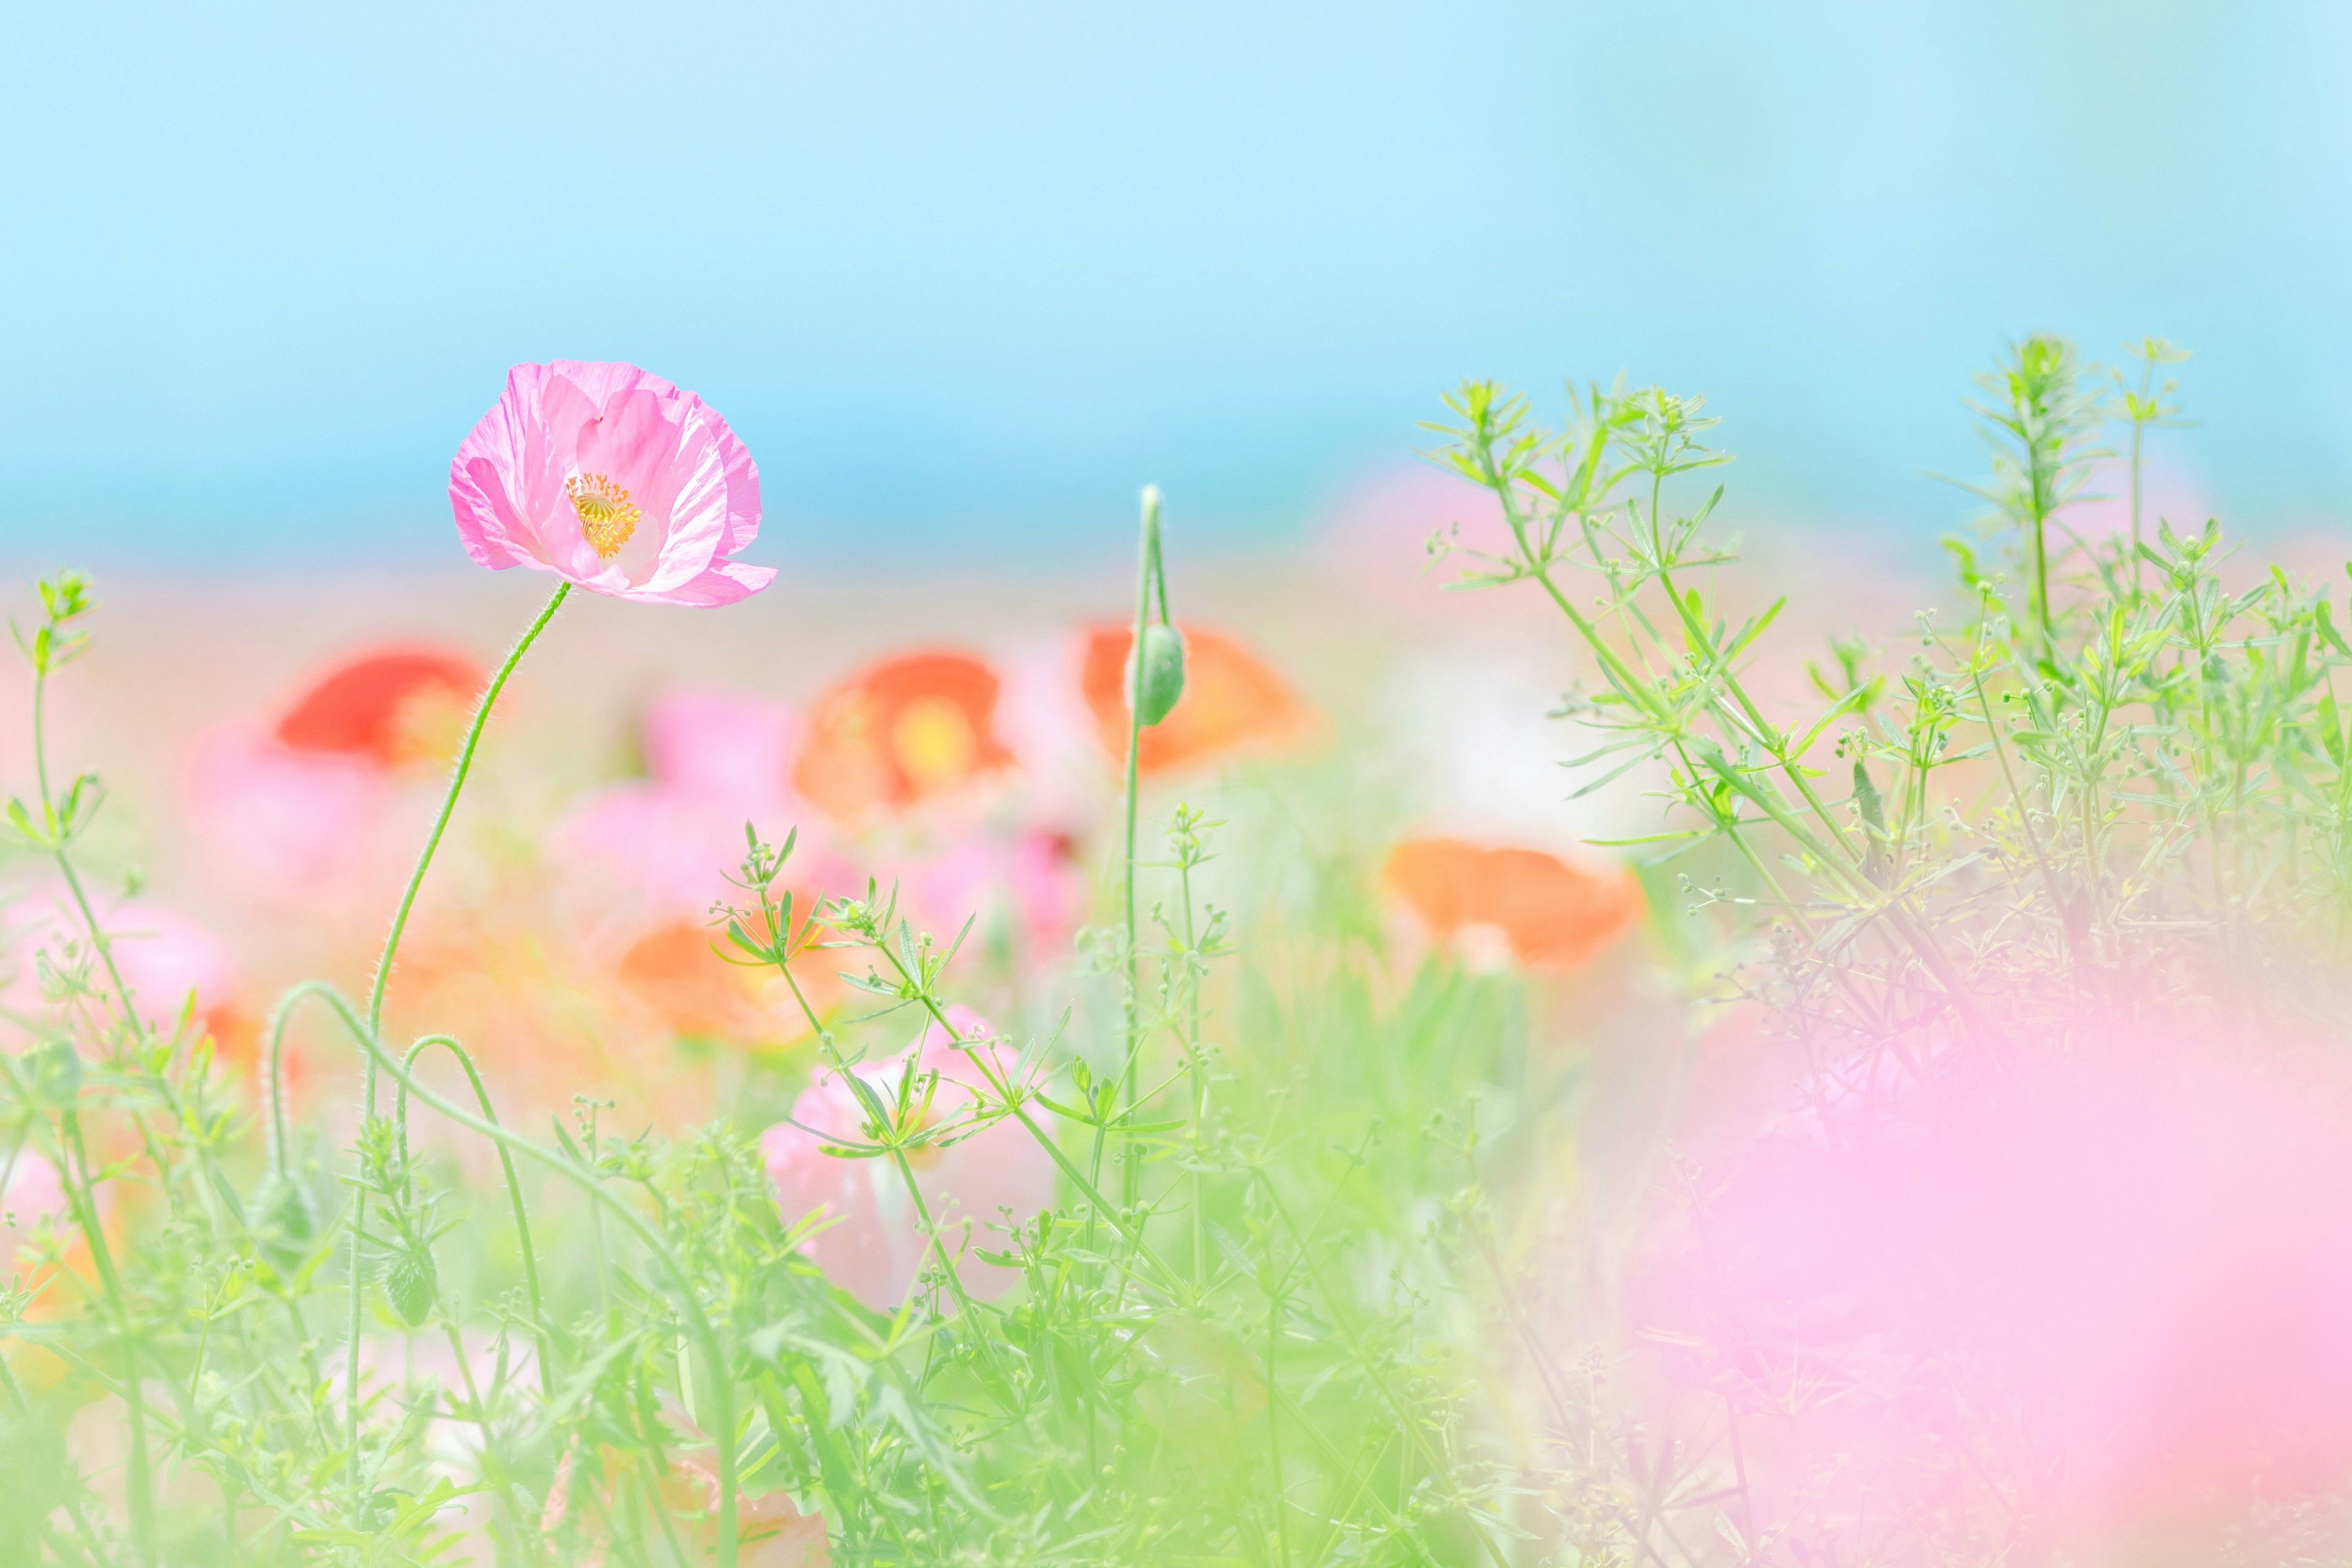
<point x="1155" y="674"/>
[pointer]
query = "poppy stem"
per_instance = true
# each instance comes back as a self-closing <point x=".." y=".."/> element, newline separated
<point x="1148" y="575"/>
<point x="384" y="977"/>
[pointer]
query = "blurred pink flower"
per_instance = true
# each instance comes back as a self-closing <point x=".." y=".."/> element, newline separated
<point x="2121" y="1285"/>
<point x="876" y="1245"/>
<point x="651" y="856"/>
<point x="2170" y="493"/>
<point x="610" y="479"/>
<point x="718" y="745"/>
<point x="31" y="1191"/>
<point x="1067" y="783"/>
<point x="165" y="958"/>
<point x="1374" y="539"/>
<point x="1024" y="882"/>
<point x="290" y="811"/>
<point x="665" y="843"/>
<point x="275" y="822"/>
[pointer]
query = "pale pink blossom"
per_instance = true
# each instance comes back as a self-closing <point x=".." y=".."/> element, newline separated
<point x="32" y="1191"/>
<point x="2117" y="1283"/>
<point x="1019" y="884"/>
<point x="1067" y="783"/>
<point x="662" y="847"/>
<point x="166" y="960"/>
<point x="647" y="859"/>
<point x="719" y="745"/>
<point x="873" y="1243"/>
<point x="294" y="810"/>
<point x="275" y="823"/>
<point x="610" y="479"/>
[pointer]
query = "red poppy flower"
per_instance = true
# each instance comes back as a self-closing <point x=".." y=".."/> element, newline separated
<point x="394" y="707"/>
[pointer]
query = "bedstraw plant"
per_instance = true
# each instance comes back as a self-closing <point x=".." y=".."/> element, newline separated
<point x="1321" y="1282"/>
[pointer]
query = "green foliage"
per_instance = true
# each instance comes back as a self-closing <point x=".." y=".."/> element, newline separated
<point x="1321" y="1284"/>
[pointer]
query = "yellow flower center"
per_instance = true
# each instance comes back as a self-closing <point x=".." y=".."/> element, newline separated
<point x="934" y="742"/>
<point x="606" y="518"/>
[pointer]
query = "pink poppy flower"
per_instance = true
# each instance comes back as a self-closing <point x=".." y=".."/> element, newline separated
<point x="1025" y="884"/>
<point x="165" y="958"/>
<point x="31" y="1192"/>
<point x="275" y="823"/>
<point x="610" y="479"/>
<point x="666" y="842"/>
<point x="2117" y="1282"/>
<point x="876" y="1245"/>
<point x="651" y="856"/>
<point x="290" y="812"/>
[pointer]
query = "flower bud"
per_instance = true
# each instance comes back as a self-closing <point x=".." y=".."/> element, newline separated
<point x="408" y="1285"/>
<point x="283" y="1225"/>
<point x="1155" y="675"/>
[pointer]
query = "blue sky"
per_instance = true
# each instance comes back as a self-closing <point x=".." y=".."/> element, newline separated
<point x="964" y="275"/>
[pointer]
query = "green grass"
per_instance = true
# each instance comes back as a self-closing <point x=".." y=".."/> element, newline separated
<point x="1322" y="1283"/>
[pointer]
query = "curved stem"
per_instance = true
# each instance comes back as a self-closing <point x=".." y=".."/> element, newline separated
<point x="722" y="1386"/>
<point x="514" y="1187"/>
<point x="384" y="977"/>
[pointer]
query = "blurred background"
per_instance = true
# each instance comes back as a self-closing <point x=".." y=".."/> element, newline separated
<point x="964" y="277"/>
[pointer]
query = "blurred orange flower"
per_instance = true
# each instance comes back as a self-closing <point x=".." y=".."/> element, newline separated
<point x="397" y="706"/>
<point x="771" y="1532"/>
<point x="1553" y="914"/>
<point x="900" y="731"/>
<point x="677" y="970"/>
<point x="1231" y="699"/>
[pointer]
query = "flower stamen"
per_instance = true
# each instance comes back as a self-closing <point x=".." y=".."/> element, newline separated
<point x="606" y="518"/>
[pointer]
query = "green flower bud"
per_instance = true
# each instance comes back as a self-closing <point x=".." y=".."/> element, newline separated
<point x="408" y="1283"/>
<point x="283" y="1225"/>
<point x="1161" y="683"/>
<point x="55" y="1069"/>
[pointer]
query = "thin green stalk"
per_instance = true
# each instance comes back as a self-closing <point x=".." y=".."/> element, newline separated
<point x="139" y="1480"/>
<point x="514" y="1190"/>
<point x="383" y="978"/>
<point x="1274" y="1429"/>
<point x="966" y="1307"/>
<point x="2138" y="426"/>
<point x="1146" y="571"/>
<point x="697" y="1324"/>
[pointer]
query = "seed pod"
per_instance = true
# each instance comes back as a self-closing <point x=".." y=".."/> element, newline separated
<point x="283" y="1225"/>
<point x="408" y="1286"/>
<point x="55" y="1069"/>
<point x="1155" y="695"/>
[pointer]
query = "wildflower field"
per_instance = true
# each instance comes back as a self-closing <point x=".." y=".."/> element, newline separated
<point x="1519" y="1036"/>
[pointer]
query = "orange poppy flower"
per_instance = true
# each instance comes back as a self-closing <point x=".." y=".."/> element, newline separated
<point x="1554" y="915"/>
<point x="771" y="1533"/>
<point x="394" y="707"/>
<point x="1231" y="699"/>
<point x="674" y="971"/>
<point x="900" y="731"/>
